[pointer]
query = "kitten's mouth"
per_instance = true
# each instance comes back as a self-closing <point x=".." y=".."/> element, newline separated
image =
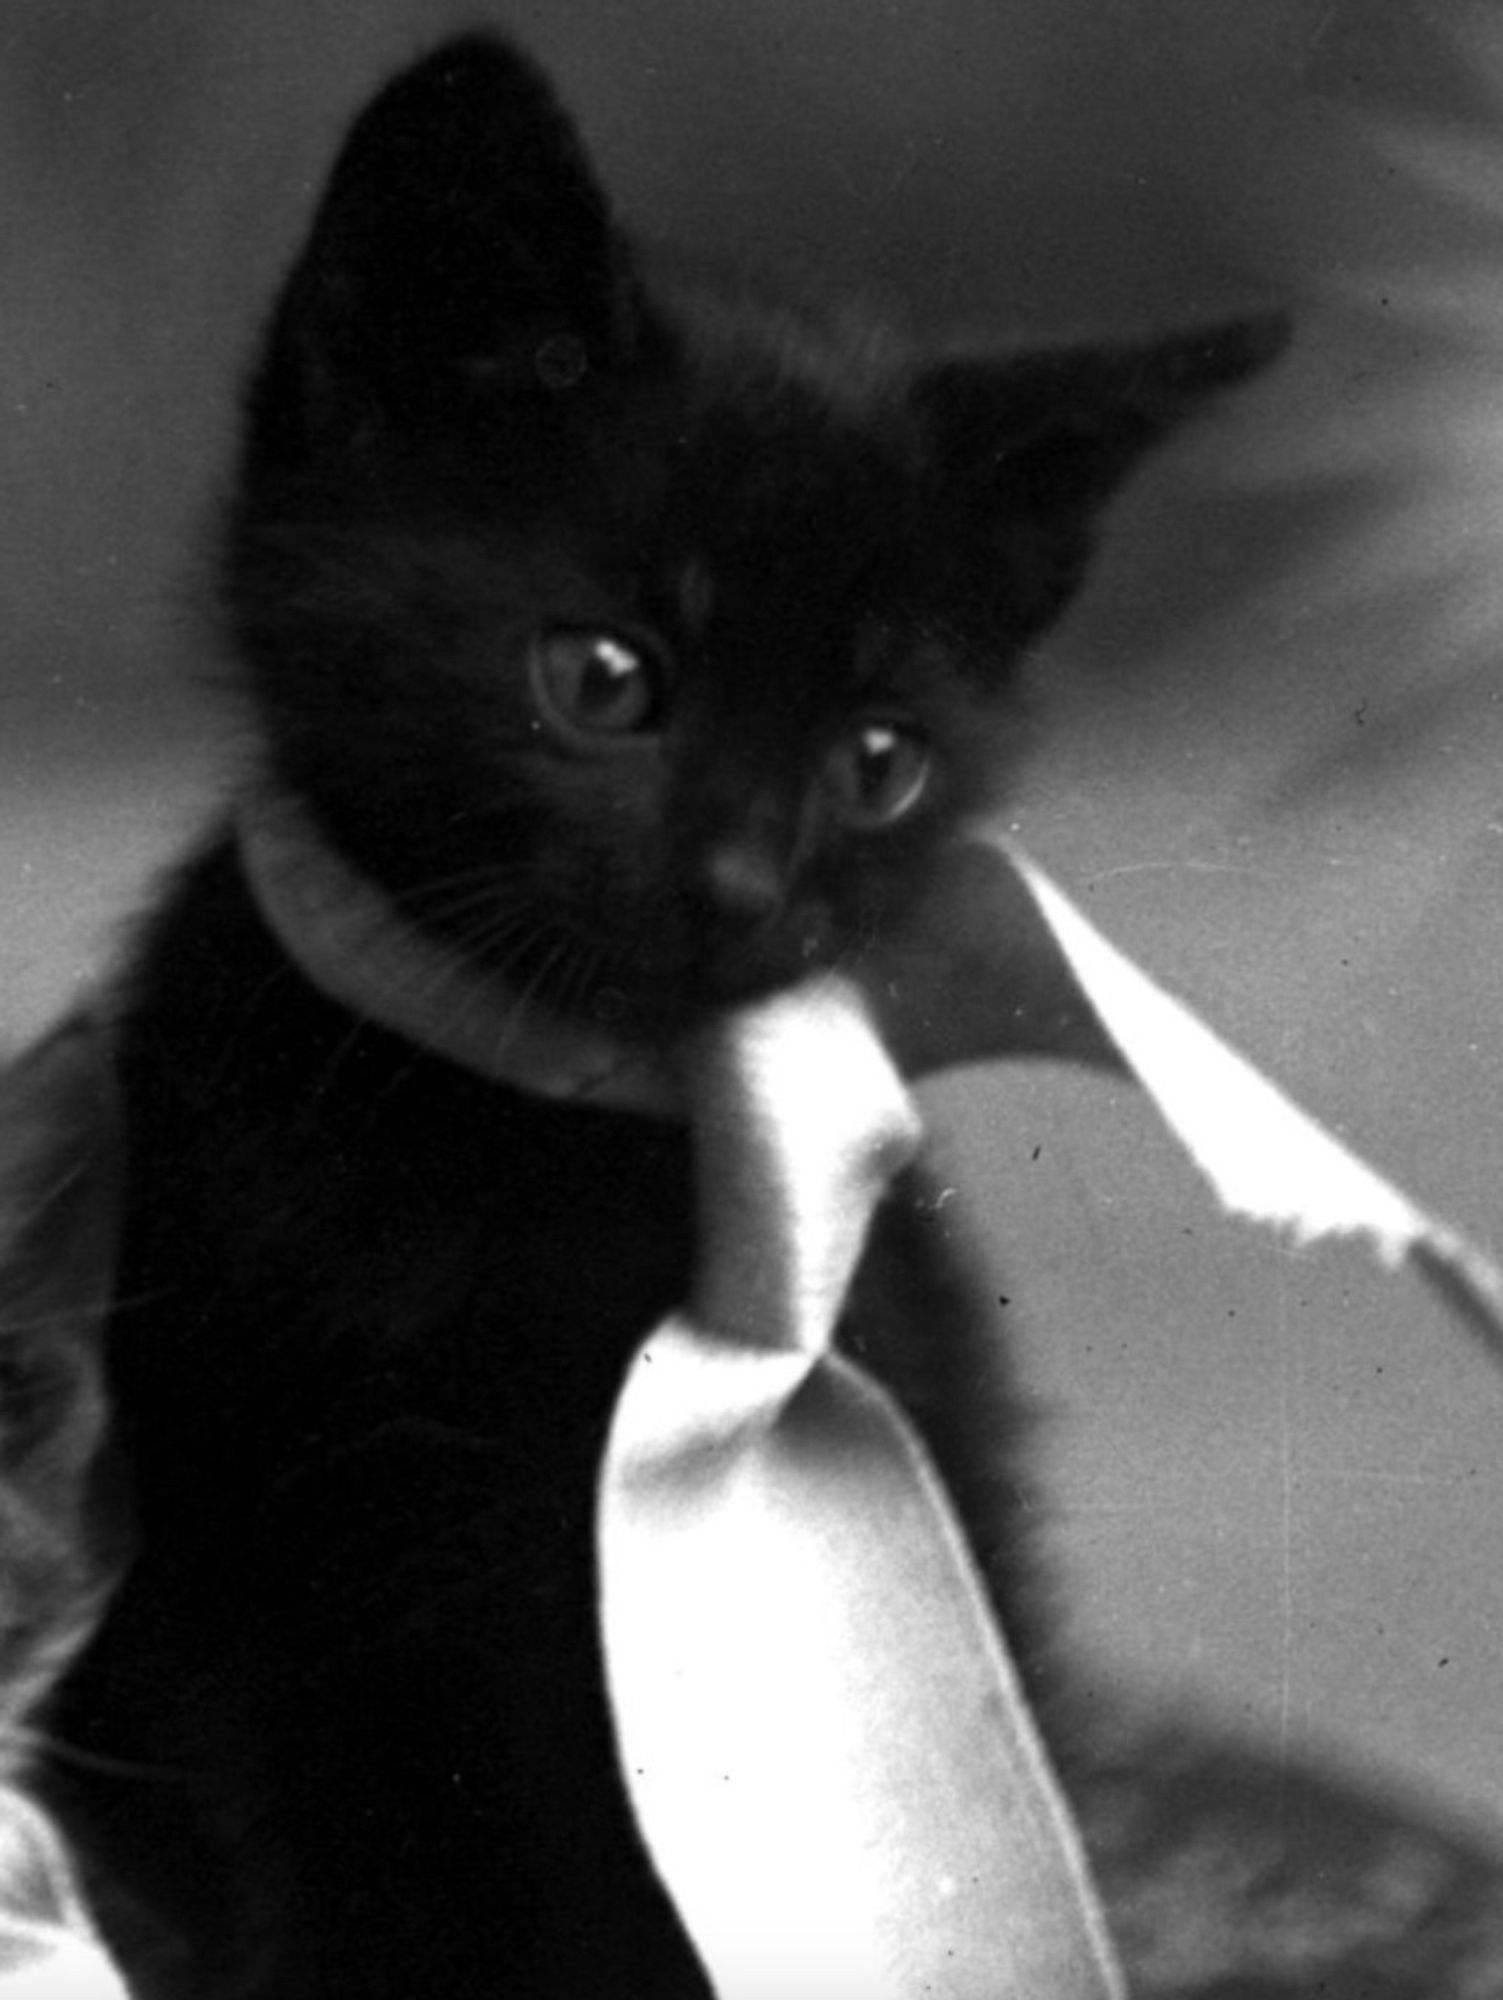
<point x="671" y="995"/>
<point x="350" y="940"/>
<point x="649" y="983"/>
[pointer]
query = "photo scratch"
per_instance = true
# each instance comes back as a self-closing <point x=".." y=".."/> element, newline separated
<point x="1287" y="1475"/>
<point x="1182" y="867"/>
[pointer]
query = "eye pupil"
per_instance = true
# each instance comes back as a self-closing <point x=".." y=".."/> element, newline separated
<point x="877" y="773"/>
<point x="609" y="680"/>
<point x="876" y="754"/>
<point x="594" y="690"/>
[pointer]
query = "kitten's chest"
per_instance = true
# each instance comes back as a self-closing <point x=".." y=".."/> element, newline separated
<point x="374" y="1317"/>
<point x="437" y="1253"/>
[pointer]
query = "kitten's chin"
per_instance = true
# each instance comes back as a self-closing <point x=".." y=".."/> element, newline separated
<point x="652" y="1017"/>
<point x="651" y="990"/>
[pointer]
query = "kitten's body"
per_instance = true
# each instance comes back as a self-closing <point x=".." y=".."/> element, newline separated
<point x="343" y="1731"/>
<point x="351" y="1691"/>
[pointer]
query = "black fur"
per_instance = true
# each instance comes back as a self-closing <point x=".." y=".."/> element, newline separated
<point x="343" y="1730"/>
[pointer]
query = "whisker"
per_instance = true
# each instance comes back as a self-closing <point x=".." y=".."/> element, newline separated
<point x="480" y="881"/>
<point x="481" y="884"/>
<point x="40" y="1322"/>
<point x="33" y="1745"/>
<point x="494" y="867"/>
<point x="582" y="968"/>
<point x="480" y="930"/>
<point x="506" y="1031"/>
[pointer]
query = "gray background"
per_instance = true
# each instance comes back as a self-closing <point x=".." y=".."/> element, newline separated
<point x="1268" y="753"/>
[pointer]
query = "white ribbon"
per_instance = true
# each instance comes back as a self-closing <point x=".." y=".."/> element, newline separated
<point x="1264" y="1157"/>
<point x="826" y="1745"/>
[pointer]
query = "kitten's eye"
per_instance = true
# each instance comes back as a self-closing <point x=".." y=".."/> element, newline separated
<point x="877" y="773"/>
<point x="593" y="690"/>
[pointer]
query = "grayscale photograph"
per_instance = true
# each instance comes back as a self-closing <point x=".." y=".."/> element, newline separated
<point x="751" y="1000"/>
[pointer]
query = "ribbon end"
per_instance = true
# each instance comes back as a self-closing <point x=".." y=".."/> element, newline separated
<point x="1466" y="1281"/>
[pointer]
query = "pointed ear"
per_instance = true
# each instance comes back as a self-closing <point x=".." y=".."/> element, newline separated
<point x="1031" y="447"/>
<point x="463" y="240"/>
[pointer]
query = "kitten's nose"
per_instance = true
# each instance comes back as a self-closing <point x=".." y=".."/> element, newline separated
<point x="742" y="883"/>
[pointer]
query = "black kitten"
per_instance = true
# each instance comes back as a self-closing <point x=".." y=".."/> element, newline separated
<point x="641" y="642"/>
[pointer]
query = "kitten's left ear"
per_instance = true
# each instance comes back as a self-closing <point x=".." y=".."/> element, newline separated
<point x="463" y="239"/>
<point x="1032" y="446"/>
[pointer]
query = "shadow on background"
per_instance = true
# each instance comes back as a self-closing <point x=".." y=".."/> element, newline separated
<point x="1267" y="747"/>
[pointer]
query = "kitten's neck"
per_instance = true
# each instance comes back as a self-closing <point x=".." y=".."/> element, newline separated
<point x="354" y="944"/>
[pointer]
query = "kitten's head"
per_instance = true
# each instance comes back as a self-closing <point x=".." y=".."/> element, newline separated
<point x="643" y="639"/>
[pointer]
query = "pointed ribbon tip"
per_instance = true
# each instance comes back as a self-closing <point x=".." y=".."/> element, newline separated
<point x="1264" y="1157"/>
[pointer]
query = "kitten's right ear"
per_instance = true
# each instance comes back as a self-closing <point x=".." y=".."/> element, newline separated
<point x="463" y="240"/>
<point x="1032" y="446"/>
